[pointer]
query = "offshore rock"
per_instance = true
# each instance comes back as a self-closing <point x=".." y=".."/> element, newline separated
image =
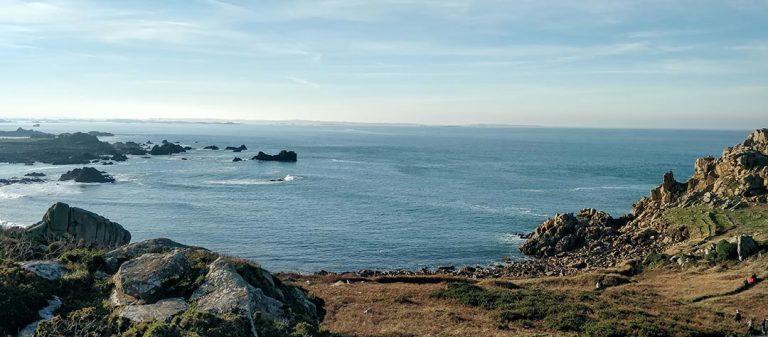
<point x="284" y="156"/>
<point x="87" y="175"/>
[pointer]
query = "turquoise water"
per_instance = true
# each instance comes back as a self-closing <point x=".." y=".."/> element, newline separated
<point x="364" y="196"/>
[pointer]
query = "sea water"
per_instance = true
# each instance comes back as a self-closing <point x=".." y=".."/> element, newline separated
<point x="362" y="196"/>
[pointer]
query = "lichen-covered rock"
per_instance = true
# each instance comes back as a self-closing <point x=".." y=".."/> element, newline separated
<point x="49" y="270"/>
<point x="225" y="291"/>
<point x="160" y="311"/>
<point x="118" y="255"/>
<point x="149" y="277"/>
<point x="61" y="221"/>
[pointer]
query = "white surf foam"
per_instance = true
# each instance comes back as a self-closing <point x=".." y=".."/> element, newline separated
<point x="510" y="238"/>
<point x="244" y="182"/>
<point x="17" y="191"/>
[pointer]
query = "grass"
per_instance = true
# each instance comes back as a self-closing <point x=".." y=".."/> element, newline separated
<point x="587" y="313"/>
<point x="704" y="222"/>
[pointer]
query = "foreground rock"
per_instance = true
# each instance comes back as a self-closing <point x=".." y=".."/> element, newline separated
<point x="87" y="175"/>
<point x="49" y="270"/>
<point x="62" y="221"/>
<point x="160" y="286"/>
<point x="283" y="156"/>
<point x="160" y="311"/>
<point x="147" y="277"/>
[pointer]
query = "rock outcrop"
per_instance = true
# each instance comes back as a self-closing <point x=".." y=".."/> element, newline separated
<point x="211" y="147"/>
<point x="739" y="178"/>
<point x="61" y="221"/>
<point x="166" y="148"/>
<point x="283" y="156"/>
<point x="240" y="148"/>
<point x="160" y="311"/>
<point x="567" y="232"/>
<point x="131" y="148"/>
<point x="87" y="175"/>
<point x="237" y="159"/>
<point x="147" y="277"/>
<point x="4" y="182"/>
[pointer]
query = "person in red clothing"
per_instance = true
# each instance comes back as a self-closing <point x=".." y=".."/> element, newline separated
<point x="752" y="279"/>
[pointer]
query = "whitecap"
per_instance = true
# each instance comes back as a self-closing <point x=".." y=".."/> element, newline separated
<point x="17" y="191"/>
<point x="244" y="182"/>
<point x="511" y="238"/>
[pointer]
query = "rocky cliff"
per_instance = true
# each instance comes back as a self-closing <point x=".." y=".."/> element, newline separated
<point x="736" y="180"/>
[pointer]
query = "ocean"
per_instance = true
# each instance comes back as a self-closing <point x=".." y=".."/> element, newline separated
<point x="362" y="196"/>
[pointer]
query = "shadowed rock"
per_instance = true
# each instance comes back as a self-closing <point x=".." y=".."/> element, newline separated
<point x="87" y="175"/>
<point x="284" y="156"/>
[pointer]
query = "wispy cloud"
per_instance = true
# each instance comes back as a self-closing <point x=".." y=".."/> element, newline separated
<point x="302" y="81"/>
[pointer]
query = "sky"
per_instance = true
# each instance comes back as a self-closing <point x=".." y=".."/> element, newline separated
<point x="683" y="64"/>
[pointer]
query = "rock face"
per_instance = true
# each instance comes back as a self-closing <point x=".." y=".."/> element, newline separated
<point x="284" y="156"/>
<point x="61" y="221"/>
<point x="87" y="175"/>
<point x="146" y="277"/>
<point x="567" y="232"/>
<point x="166" y="148"/>
<point x="240" y="148"/>
<point x="160" y="311"/>
<point x="49" y="270"/>
<point x="226" y="291"/>
<point x="739" y="178"/>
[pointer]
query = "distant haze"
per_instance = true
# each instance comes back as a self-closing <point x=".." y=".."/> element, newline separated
<point x="686" y="64"/>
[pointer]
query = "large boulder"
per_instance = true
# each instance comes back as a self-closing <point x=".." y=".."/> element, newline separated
<point x="61" y="221"/>
<point x="284" y="156"/>
<point x="149" y="277"/>
<point x="225" y="291"/>
<point x="87" y="175"/>
<point x="745" y="246"/>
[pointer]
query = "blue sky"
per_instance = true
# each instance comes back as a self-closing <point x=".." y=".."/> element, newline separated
<point x="699" y="64"/>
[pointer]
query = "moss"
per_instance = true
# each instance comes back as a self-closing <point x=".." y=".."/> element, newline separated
<point x="704" y="221"/>
<point x="723" y="251"/>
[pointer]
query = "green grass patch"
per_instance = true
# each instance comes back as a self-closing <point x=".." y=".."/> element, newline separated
<point x="584" y="313"/>
<point x="703" y="222"/>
